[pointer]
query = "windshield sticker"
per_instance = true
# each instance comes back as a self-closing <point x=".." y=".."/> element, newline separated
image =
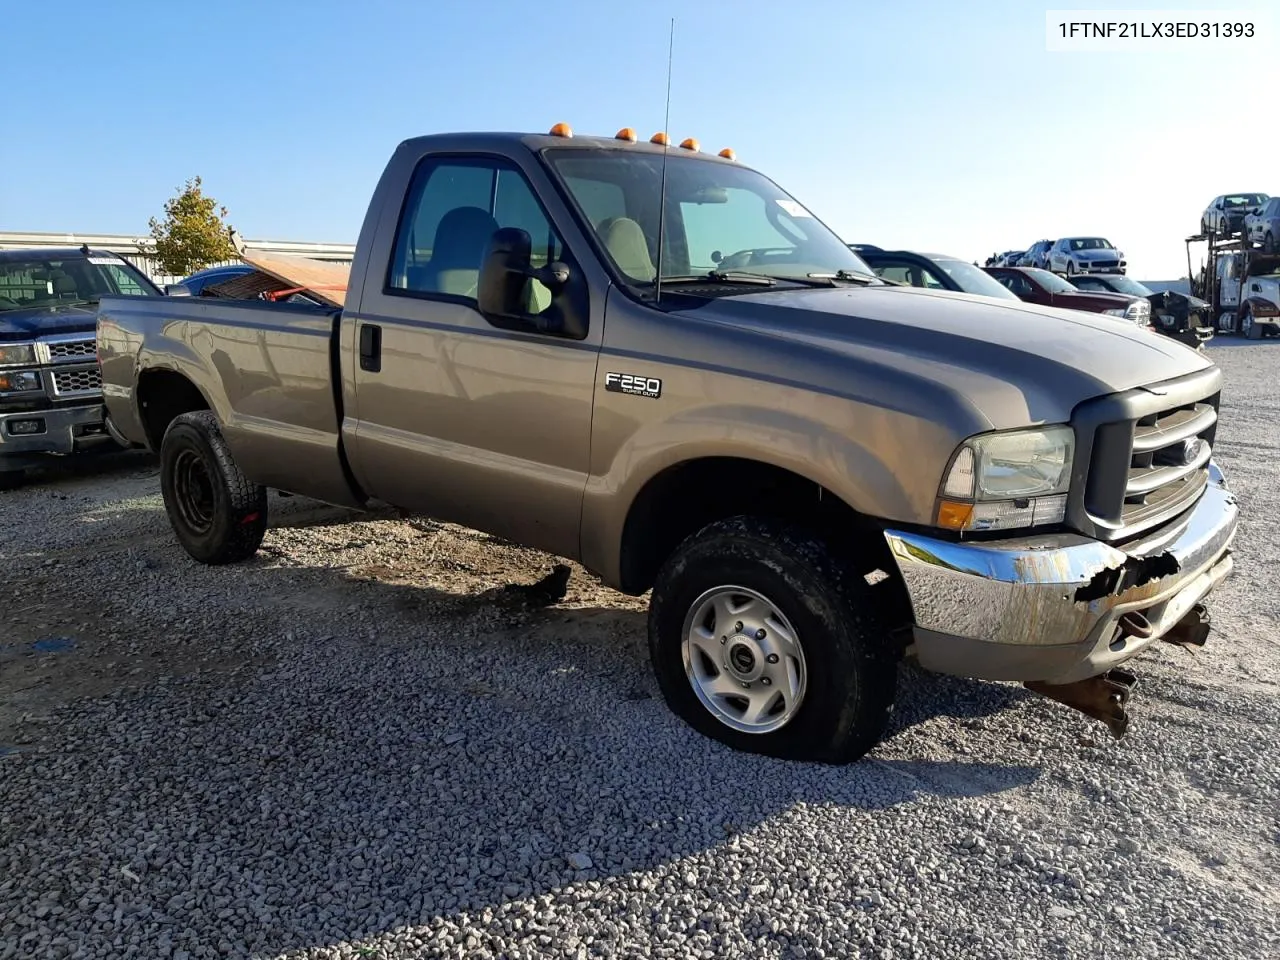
<point x="104" y="260"/>
<point x="793" y="209"/>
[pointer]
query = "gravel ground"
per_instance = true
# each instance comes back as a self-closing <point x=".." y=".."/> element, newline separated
<point x="361" y="745"/>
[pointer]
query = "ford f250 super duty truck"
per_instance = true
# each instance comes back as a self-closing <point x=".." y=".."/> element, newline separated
<point x="50" y="385"/>
<point x="658" y="363"/>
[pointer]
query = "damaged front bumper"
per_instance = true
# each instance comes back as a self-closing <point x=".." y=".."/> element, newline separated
<point x="1050" y="608"/>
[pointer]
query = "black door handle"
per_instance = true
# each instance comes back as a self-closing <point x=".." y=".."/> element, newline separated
<point x="370" y="347"/>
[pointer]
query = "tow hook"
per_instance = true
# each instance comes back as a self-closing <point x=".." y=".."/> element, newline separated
<point x="1192" y="630"/>
<point x="1102" y="697"/>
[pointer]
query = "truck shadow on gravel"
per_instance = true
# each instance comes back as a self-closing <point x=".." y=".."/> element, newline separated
<point x="415" y="755"/>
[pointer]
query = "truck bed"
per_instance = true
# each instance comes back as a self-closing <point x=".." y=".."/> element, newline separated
<point x="267" y="370"/>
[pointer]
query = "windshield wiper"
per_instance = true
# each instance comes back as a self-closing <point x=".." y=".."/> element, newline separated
<point x="724" y="276"/>
<point x="849" y="275"/>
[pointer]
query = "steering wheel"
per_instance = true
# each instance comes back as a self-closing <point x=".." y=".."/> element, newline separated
<point x="749" y="257"/>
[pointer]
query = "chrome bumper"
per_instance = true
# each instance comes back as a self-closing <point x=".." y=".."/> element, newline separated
<point x="1046" y="608"/>
<point x="63" y="430"/>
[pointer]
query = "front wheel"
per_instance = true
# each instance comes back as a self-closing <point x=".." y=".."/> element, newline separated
<point x="217" y="514"/>
<point x="761" y="639"/>
<point x="1268" y="243"/>
<point x="1250" y="329"/>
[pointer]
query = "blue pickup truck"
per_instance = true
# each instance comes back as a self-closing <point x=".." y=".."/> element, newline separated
<point x="50" y="385"/>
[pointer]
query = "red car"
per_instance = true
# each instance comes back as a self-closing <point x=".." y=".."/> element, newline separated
<point x="1048" y="289"/>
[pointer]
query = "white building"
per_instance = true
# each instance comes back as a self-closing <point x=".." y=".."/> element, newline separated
<point x="140" y="251"/>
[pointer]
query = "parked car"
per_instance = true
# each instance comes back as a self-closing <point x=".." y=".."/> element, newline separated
<point x="1050" y="290"/>
<point x="1187" y="319"/>
<point x="50" y="387"/>
<point x="1008" y="258"/>
<point x="1224" y="217"/>
<point x="1035" y="255"/>
<point x="1263" y="226"/>
<point x="1072" y="255"/>
<point x="211" y="275"/>
<point x="812" y="473"/>
<point x="935" y="271"/>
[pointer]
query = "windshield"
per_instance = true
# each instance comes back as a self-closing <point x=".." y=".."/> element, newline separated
<point x="718" y="217"/>
<point x="61" y="281"/>
<point x="971" y="279"/>
<point x="1089" y="243"/>
<point x="1245" y="200"/>
<point x="1050" y="281"/>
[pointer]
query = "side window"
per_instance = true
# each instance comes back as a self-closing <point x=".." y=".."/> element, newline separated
<point x="124" y="282"/>
<point x="895" y="270"/>
<point x="1016" y="283"/>
<point x="930" y="279"/>
<point x="453" y="208"/>
<point x="1088" y="283"/>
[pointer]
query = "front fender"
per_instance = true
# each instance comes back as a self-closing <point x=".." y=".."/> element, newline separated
<point x="882" y="463"/>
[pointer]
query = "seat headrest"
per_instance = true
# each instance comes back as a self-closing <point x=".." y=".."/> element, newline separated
<point x="625" y="241"/>
<point x="461" y="237"/>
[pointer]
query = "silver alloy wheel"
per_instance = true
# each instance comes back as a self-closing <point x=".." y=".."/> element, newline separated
<point x="744" y="659"/>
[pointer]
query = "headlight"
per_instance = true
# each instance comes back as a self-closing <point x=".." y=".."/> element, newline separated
<point x="1117" y="312"/>
<point x="19" y="381"/>
<point x="1138" y="310"/>
<point x="1001" y="481"/>
<point x="13" y="354"/>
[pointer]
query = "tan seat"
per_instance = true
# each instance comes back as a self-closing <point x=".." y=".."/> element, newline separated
<point x="625" y="241"/>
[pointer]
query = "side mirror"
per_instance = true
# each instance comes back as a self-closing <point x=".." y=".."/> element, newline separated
<point x="505" y="271"/>
<point x="177" y="290"/>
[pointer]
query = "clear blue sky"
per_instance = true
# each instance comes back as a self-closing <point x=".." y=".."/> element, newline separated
<point x="938" y="126"/>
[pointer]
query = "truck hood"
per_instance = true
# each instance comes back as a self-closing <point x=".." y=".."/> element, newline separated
<point x="1014" y="363"/>
<point x="26" y="324"/>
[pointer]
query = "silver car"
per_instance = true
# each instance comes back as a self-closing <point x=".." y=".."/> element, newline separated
<point x="1072" y="255"/>
<point x="1263" y="226"/>
<point x="1224" y="217"/>
<point x="1035" y="256"/>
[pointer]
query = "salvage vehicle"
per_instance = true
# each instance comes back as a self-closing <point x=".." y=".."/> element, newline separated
<point x="1187" y="319"/>
<point x="1224" y="217"/>
<point x="658" y="363"/>
<point x="1036" y="255"/>
<point x="1263" y="226"/>
<point x="1072" y="255"/>
<point x="934" y="271"/>
<point x="1050" y="290"/>
<point x="50" y="385"/>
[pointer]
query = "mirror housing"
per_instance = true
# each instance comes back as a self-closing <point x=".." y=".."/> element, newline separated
<point x="505" y="270"/>
<point x="177" y="290"/>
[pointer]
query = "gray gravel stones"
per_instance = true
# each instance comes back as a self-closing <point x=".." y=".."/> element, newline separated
<point x="352" y="747"/>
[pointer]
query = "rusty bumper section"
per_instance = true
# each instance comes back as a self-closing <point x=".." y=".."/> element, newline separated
<point x="1058" y="609"/>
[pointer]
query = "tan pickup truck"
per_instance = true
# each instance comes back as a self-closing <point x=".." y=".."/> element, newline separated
<point x="816" y="473"/>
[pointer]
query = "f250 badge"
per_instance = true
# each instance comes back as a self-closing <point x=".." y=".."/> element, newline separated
<point x="636" y="386"/>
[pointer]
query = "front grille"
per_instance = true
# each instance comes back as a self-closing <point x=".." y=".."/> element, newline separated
<point x="1148" y="455"/>
<point x="72" y="349"/>
<point x="69" y="382"/>
<point x="1106" y="263"/>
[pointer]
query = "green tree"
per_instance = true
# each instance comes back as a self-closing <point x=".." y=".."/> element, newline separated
<point x="194" y="232"/>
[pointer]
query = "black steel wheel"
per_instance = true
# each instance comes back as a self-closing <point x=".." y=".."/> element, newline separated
<point x="216" y="513"/>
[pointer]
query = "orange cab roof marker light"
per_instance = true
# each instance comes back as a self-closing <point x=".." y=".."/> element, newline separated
<point x="626" y="133"/>
<point x="728" y="153"/>
<point x="691" y="144"/>
<point x="561" y="130"/>
<point x="660" y="138"/>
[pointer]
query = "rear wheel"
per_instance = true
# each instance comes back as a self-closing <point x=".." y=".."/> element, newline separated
<point x="217" y="514"/>
<point x="1268" y="243"/>
<point x="762" y="639"/>
<point x="1250" y="329"/>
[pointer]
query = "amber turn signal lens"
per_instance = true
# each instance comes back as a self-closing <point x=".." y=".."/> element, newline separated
<point x="954" y="516"/>
<point x="561" y="130"/>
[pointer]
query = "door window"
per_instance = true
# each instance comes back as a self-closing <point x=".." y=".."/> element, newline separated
<point x="453" y="208"/>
